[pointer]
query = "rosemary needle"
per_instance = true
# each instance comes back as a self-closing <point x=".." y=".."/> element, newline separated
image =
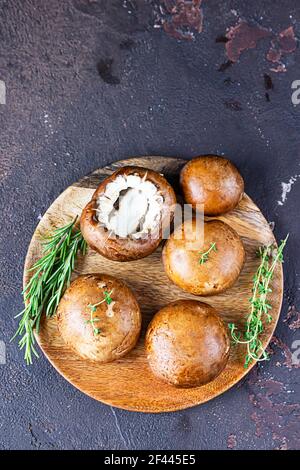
<point x="260" y="306"/>
<point x="51" y="275"/>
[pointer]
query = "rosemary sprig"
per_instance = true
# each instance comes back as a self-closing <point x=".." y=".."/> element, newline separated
<point x="260" y="306"/>
<point x="93" y="307"/>
<point x="204" y="256"/>
<point x="52" y="274"/>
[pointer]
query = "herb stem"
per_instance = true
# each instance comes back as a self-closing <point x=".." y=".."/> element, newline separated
<point x="51" y="275"/>
<point x="93" y="307"/>
<point x="204" y="255"/>
<point x="259" y="304"/>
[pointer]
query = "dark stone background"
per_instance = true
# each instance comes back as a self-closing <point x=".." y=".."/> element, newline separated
<point x="155" y="95"/>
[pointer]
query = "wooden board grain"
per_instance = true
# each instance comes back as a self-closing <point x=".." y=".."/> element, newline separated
<point x="128" y="383"/>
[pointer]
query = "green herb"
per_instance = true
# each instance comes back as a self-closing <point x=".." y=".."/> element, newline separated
<point x="52" y="274"/>
<point x="93" y="307"/>
<point x="260" y="306"/>
<point x="92" y="320"/>
<point x="204" y="256"/>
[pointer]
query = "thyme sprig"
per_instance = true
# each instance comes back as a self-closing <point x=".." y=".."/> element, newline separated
<point x="52" y="274"/>
<point x="205" y="255"/>
<point x="260" y="305"/>
<point x="93" y="308"/>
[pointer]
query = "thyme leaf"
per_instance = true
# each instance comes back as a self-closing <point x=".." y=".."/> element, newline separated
<point x="259" y="305"/>
<point x="205" y="255"/>
<point x="93" y="308"/>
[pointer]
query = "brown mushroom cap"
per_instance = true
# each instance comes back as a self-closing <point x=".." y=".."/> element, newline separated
<point x="119" y="322"/>
<point x="182" y="253"/>
<point x="127" y="249"/>
<point x="187" y="344"/>
<point x="213" y="182"/>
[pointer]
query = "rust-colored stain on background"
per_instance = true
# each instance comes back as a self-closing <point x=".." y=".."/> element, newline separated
<point x="181" y="19"/>
<point x="288" y="355"/>
<point x="293" y="318"/>
<point x="231" y="441"/>
<point x="243" y="37"/>
<point x="271" y="411"/>
<point x="284" y="43"/>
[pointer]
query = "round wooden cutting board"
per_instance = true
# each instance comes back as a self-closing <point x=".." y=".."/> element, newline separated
<point x="128" y="383"/>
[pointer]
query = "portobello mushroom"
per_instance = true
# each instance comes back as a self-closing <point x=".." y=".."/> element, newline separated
<point x="204" y="265"/>
<point x="128" y="214"/>
<point x="99" y="317"/>
<point x="187" y="344"/>
<point x="213" y="183"/>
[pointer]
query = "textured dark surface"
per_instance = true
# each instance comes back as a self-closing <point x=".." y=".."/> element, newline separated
<point x="90" y="82"/>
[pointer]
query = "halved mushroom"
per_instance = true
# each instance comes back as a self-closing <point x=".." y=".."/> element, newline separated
<point x="128" y="214"/>
<point x="99" y="317"/>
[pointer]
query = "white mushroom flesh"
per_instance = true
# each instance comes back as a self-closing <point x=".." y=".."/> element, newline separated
<point x="131" y="206"/>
